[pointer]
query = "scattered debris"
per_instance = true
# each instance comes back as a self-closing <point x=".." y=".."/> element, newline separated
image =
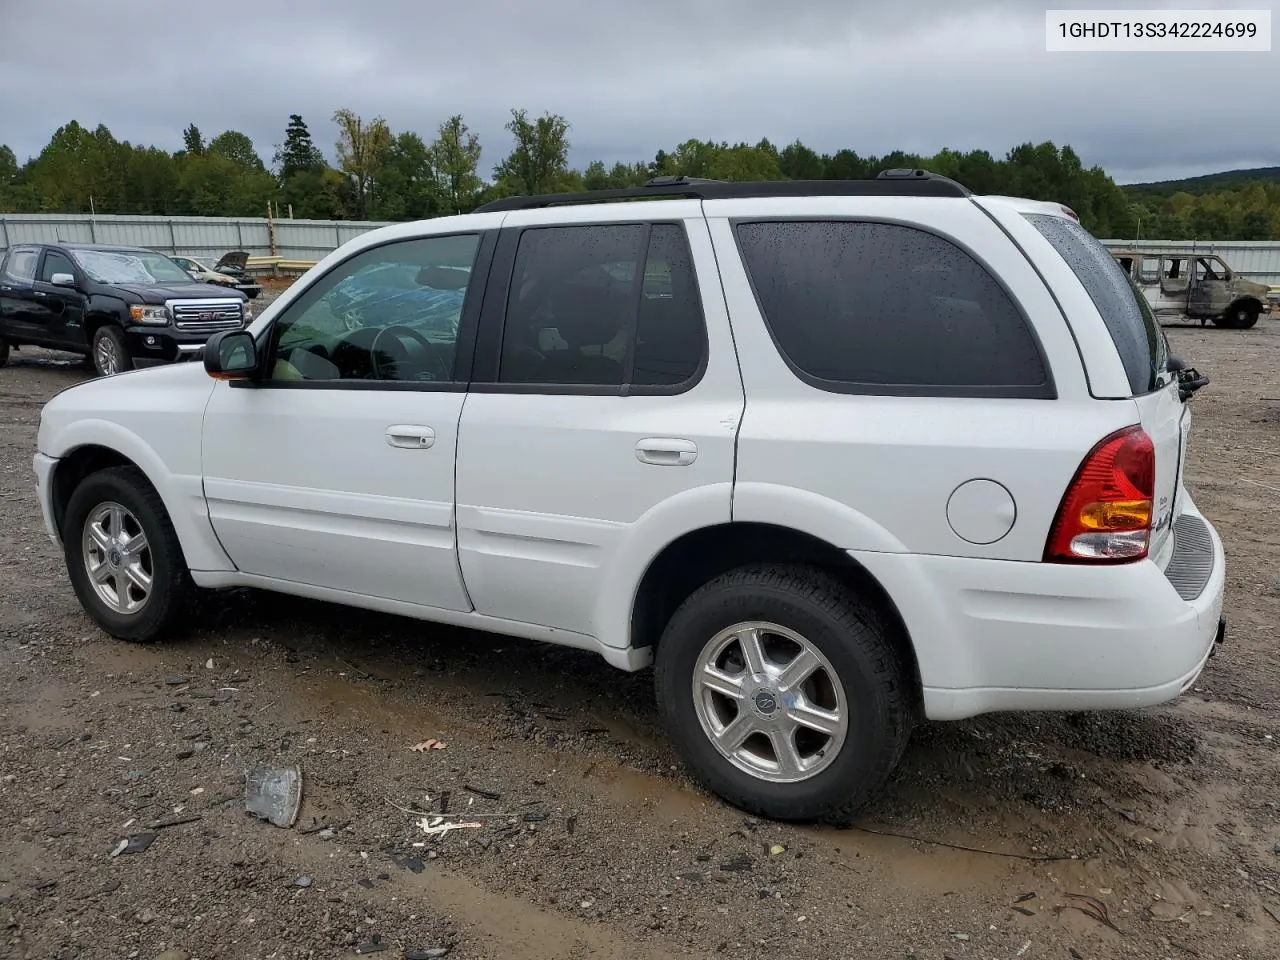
<point x="366" y="883"/>
<point x="175" y="822"/>
<point x="1023" y="949"/>
<point x="1025" y="912"/>
<point x="1090" y="907"/>
<point x="176" y="681"/>
<point x="479" y="792"/>
<point x="426" y="745"/>
<point x="414" y="864"/>
<point x="208" y="664"/>
<point x="1024" y="897"/>
<point x="961" y="936"/>
<point x="777" y="850"/>
<point x="430" y="953"/>
<point x="372" y="946"/>
<point x="1272" y="912"/>
<point x="324" y="826"/>
<point x="537" y="817"/>
<point x="435" y="826"/>
<point x="737" y="864"/>
<point x="274" y="793"/>
<point x="1075" y="954"/>
<point x="692" y="876"/>
<point x="134" y="844"/>
<point x="302" y="881"/>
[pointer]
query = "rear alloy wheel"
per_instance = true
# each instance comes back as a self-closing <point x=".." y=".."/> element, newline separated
<point x="110" y="354"/>
<point x="123" y="556"/>
<point x="783" y="693"/>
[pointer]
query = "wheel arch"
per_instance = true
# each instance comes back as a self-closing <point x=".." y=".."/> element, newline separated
<point x="93" y="445"/>
<point x="698" y="556"/>
<point x="1248" y="300"/>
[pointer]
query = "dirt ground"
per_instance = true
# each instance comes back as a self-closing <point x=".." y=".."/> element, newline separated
<point x="595" y="844"/>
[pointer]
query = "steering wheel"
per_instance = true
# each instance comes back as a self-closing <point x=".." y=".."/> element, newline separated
<point x="432" y="351"/>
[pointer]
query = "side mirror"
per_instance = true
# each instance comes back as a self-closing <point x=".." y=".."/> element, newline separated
<point x="63" y="280"/>
<point x="231" y="355"/>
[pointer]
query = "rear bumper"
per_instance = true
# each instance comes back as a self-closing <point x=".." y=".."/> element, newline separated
<point x="997" y="635"/>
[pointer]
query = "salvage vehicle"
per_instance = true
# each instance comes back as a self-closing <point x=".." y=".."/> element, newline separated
<point x="124" y="307"/>
<point x="1197" y="285"/>
<point x="201" y="271"/>
<point x="832" y="457"/>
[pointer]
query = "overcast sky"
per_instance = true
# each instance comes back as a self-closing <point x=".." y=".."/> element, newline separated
<point x="633" y="77"/>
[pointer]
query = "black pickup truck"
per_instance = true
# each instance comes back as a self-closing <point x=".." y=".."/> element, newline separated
<point x="124" y="307"/>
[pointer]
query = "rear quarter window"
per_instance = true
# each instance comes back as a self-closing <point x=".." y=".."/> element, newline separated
<point x="880" y="308"/>
<point x="1134" y="330"/>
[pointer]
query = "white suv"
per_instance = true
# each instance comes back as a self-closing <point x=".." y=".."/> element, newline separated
<point x="832" y="456"/>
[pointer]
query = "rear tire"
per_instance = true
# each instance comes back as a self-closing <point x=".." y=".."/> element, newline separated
<point x="4" y="351"/>
<point x="108" y="351"/>
<point x="783" y="769"/>
<point x="123" y="556"/>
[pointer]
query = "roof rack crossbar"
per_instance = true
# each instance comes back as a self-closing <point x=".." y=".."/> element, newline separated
<point x="889" y="183"/>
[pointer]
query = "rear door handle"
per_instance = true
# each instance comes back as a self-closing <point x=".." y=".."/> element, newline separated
<point x="666" y="452"/>
<point x="411" y="436"/>
<point x="40" y="293"/>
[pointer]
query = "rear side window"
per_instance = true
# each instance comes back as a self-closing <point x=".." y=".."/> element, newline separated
<point x="881" y="308"/>
<point x="603" y="305"/>
<point x="20" y="265"/>
<point x="1133" y="328"/>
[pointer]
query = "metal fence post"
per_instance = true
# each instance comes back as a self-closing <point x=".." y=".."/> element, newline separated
<point x="239" y="235"/>
<point x="4" y="228"/>
<point x="173" y="238"/>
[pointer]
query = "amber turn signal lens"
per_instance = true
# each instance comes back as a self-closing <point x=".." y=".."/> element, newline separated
<point x="1116" y="515"/>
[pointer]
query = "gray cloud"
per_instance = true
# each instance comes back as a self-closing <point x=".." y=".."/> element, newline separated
<point x="634" y="78"/>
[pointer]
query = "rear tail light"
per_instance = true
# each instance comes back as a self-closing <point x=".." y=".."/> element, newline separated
<point x="1105" y="515"/>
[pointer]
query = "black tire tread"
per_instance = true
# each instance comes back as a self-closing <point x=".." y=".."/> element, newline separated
<point x="167" y="611"/>
<point x="4" y="351"/>
<point x="864" y="625"/>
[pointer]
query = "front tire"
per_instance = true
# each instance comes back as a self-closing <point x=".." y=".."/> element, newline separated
<point x="783" y="693"/>
<point x="4" y="351"/>
<point x="123" y="556"/>
<point x="1245" y="315"/>
<point x="109" y="352"/>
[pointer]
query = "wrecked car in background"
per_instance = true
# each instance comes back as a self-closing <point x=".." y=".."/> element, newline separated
<point x="1197" y="285"/>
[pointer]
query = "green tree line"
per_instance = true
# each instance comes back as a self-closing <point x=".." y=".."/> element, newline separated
<point x="382" y="174"/>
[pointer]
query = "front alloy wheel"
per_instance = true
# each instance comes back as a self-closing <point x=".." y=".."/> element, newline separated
<point x="123" y="556"/>
<point x="117" y="558"/>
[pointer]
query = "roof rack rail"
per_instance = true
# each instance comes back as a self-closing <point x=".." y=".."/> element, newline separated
<point x="888" y="183"/>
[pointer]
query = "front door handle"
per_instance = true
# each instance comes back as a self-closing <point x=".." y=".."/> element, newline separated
<point x="666" y="452"/>
<point x="411" y="436"/>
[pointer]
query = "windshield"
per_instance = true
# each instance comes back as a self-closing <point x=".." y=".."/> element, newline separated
<point x="131" y="266"/>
